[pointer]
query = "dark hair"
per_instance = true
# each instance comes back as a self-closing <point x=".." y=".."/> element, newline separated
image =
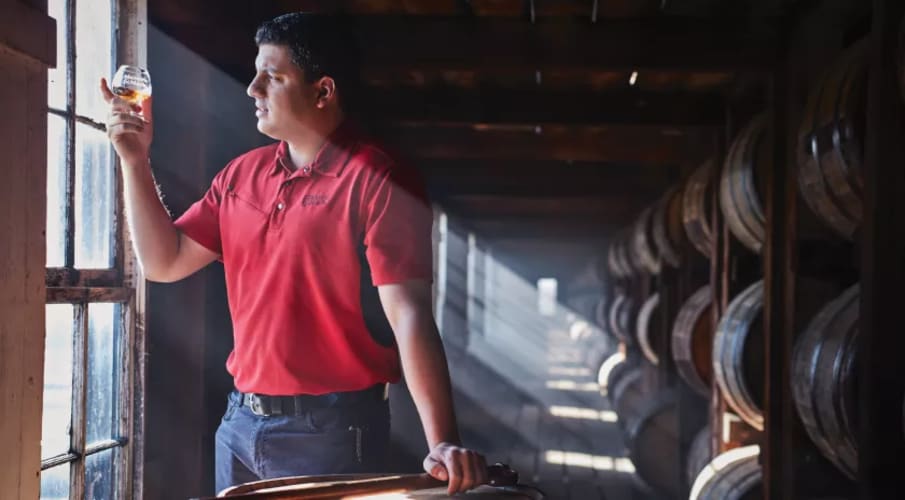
<point x="319" y="44"/>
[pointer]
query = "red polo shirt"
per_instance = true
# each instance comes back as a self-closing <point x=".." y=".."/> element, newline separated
<point x="303" y="252"/>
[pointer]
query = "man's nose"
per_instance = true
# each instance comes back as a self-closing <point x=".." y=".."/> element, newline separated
<point x="253" y="90"/>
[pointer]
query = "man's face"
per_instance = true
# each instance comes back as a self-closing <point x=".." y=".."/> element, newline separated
<point x="285" y="104"/>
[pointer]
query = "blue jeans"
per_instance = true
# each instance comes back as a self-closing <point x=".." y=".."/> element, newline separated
<point x="338" y="440"/>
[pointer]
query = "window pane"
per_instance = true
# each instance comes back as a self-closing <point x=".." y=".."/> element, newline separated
<point x="94" y="56"/>
<point x="546" y="296"/>
<point x="56" y="89"/>
<point x="55" y="483"/>
<point x="57" y="380"/>
<point x="56" y="190"/>
<point x="93" y="198"/>
<point x="99" y="478"/>
<point x="104" y="330"/>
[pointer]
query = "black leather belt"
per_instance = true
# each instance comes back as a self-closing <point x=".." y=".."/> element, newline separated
<point x="265" y="406"/>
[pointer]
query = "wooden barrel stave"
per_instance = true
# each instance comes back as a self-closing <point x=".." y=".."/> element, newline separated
<point x="831" y="145"/>
<point x="617" y="258"/>
<point x="675" y="232"/>
<point x="698" y="454"/>
<point x="833" y="208"/>
<point x="600" y="314"/>
<point x="623" y="257"/>
<point x="692" y="343"/>
<point x="650" y="430"/>
<point x="667" y="227"/>
<point x="612" y="264"/>
<point x="733" y="475"/>
<point x="841" y="164"/>
<point x="743" y="171"/>
<point x="823" y="382"/>
<point x="620" y="264"/>
<point x="652" y="439"/>
<point x="626" y="393"/>
<point x="642" y="243"/>
<point x="696" y="208"/>
<point x="622" y="318"/>
<point x="738" y="353"/>
<point x="647" y="321"/>
<point x="608" y="371"/>
<point x="364" y="486"/>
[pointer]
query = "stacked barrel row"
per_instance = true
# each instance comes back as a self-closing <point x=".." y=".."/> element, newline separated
<point x="824" y="364"/>
<point x="649" y="423"/>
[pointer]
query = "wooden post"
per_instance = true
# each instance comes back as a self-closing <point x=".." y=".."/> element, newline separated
<point x="779" y="455"/>
<point x="719" y="279"/>
<point x="27" y="49"/>
<point x="882" y="383"/>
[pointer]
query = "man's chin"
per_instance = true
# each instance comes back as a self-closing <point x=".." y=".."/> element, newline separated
<point x="266" y="129"/>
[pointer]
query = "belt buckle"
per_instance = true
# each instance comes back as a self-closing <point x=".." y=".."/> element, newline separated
<point x="255" y="405"/>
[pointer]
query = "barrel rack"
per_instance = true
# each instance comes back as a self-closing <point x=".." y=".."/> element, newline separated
<point x="759" y="296"/>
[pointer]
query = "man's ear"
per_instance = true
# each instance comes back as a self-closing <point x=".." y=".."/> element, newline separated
<point x="326" y="91"/>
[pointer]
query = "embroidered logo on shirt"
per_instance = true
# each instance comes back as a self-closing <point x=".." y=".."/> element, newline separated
<point x="310" y="200"/>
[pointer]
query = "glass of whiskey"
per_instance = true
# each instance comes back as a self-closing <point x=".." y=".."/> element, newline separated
<point x="132" y="84"/>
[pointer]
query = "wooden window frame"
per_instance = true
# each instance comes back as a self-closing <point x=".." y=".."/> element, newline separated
<point x="122" y="284"/>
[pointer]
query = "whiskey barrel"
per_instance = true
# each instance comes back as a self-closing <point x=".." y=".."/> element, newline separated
<point x="692" y="341"/>
<point x="364" y="486"/>
<point x="830" y="142"/>
<point x="824" y="387"/>
<point x="738" y="354"/>
<point x="625" y="257"/>
<point x="668" y="233"/>
<point x="648" y="330"/>
<point x="733" y="475"/>
<point x="649" y="424"/>
<point x="622" y="317"/>
<point x="696" y="205"/>
<point x="742" y="184"/>
<point x="610" y="369"/>
<point x="698" y="454"/>
<point x="614" y="263"/>
<point x="642" y="246"/>
<point x="601" y="311"/>
<point x="618" y="260"/>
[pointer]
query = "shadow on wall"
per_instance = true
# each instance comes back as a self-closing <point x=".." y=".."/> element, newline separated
<point x="510" y="353"/>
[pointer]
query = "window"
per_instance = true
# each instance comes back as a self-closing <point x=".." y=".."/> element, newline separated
<point x="546" y="296"/>
<point x="89" y="366"/>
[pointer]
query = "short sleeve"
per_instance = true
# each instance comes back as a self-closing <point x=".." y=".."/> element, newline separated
<point x="397" y="232"/>
<point x="201" y="222"/>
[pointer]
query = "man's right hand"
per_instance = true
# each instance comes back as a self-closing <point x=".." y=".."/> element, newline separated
<point x="129" y="127"/>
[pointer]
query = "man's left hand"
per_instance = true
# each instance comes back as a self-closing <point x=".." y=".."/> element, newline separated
<point x="463" y="468"/>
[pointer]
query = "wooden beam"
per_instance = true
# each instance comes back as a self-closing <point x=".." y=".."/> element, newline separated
<point x="882" y="347"/>
<point x="624" y="144"/>
<point x="614" y="208"/>
<point x="495" y="45"/>
<point x="406" y="43"/>
<point x="539" y="106"/>
<point x="542" y="228"/>
<point x="542" y="178"/>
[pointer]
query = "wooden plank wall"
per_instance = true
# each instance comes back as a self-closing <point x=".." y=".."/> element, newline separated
<point x="27" y="41"/>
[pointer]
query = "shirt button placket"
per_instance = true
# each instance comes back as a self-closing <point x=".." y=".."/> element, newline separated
<point x="281" y="204"/>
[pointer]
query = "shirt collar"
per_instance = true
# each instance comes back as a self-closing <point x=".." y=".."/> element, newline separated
<point x="330" y="159"/>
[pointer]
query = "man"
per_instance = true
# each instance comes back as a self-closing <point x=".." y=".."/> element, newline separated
<point x="325" y="241"/>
